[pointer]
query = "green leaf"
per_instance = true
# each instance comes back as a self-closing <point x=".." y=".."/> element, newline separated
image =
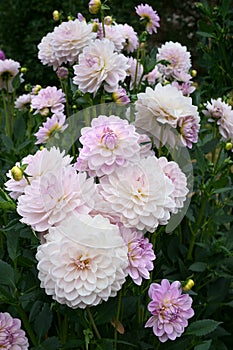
<point x="205" y="345"/>
<point x="205" y="34"/>
<point x="43" y="321"/>
<point x="198" y="267"/>
<point x="202" y="327"/>
<point x="12" y="244"/>
<point x="49" y="344"/>
<point x="6" y="274"/>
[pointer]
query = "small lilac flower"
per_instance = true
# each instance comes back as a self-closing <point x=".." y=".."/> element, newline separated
<point x="11" y="334"/>
<point x="152" y="18"/>
<point x="51" y="126"/>
<point x="140" y="254"/>
<point x="170" y="310"/>
<point x="50" y="98"/>
<point x="2" y="55"/>
<point x="120" y="97"/>
<point x="189" y="128"/>
<point x="186" y="88"/>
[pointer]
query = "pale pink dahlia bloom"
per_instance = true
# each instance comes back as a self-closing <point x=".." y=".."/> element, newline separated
<point x="140" y="254"/>
<point x="175" y="174"/>
<point x="23" y="102"/>
<point x="186" y="88"/>
<point x="83" y="262"/>
<point x="151" y="17"/>
<point x="120" y="97"/>
<point x="42" y="162"/>
<point x="188" y="129"/>
<point x="178" y="58"/>
<point x="48" y="98"/>
<point x="153" y="76"/>
<point x="12" y="337"/>
<point x="55" y="124"/>
<point x="53" y="196"/>
<point x="130" y="37"/>
<point x="108" y="144"/>
<point x="99" y="64"/>
<point x="135" y="71"/>
<point x="46" y="53"/>
<point x="114" y="33"/>
<point x="8" y="71"/>
<point x="141" y="194"/>
<point x="170" y="310"/>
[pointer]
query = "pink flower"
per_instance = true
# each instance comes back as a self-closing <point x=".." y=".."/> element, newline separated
<point x="50" y="98"/>
<point x="11" y="335"/>
<point x="130" y="37"/>
<point x="46" y="53"/>
<point x="2" y="55"/>
<point x="109" y="143"/>
<point x="153" y="76"/>
<point x="115" y="34"/>
<point x="55" y="124"/>
<point x="23" y="102"/>
<point x="186" y="88"/>
<point x="53" y="196"/>
<point x="151" y="17"/>
<point x="140" y="254"/>
<point x="99" y="64"/>
<point x="189" y="128"/>
<point x="8" y="71"/>
<point x="83" y="261"/>
<point x="170" y="310"/>
<point x="120" y="97"/>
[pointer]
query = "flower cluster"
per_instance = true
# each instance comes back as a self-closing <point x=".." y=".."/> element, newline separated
<point x="11" y="334"/>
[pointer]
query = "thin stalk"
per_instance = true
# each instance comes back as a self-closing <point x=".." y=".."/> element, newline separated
<point x="117" y="319"/>
<point x="27" y="325"/>
<point x="93" y="323"/>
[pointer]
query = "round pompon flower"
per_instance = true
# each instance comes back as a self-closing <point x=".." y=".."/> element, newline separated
<point x="50" y="127"/>
<point x="141" y="194"/>
<point x="100" y="64"/>
<point x="109" y="143"/>
<point x="151" y="17"/>
<point x="46" y="53"/>
<point x="51" y="98"/>
<point x="170" y="310"/>
<point x="8" y="70"/>
<point x="11" y="334"/>
<point x="140" y="254"/>
<point x="83" y="261"/>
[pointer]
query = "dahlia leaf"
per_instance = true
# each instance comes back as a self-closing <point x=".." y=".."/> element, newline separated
<point x="202" y="327"/>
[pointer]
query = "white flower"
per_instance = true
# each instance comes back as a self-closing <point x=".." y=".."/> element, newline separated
<point x="100" y="64"/>
<point x="140" y="194"/>
<point x="83" y="262"/>
<point x="46" y="52"/>
<point x="23" y="102"/>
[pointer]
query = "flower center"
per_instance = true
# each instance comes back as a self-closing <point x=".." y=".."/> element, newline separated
<point x="109" y="139"/>
<point x="81" y="263"/>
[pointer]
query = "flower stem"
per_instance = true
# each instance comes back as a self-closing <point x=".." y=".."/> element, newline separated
<point x="27" y="325"/>
<point x="117" y="319"/>
<point x="93" y="322"/>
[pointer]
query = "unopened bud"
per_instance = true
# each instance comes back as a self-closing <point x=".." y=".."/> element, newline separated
<point x="62" y="72"/>
<point x="193" y="73"/>
<point x="95" y="27"/>
<point x="44" y="112"/>
<point x="36" y="89"/>
<point x="23" y="70"/>
<point x="228" y="146"/>
<point x="108" y="20"/>
<point x="189" y="285"/>
<point x="16" y="173"/>
<point x="69" y="18"/>
<point x="56" y="15"/>
<point x="94" y="6"/>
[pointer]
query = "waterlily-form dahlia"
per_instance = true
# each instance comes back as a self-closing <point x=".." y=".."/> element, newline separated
<point x="179" y="59"/>
<point x="170" y="310"/>
<point x="140" y="255"/>
<point x="150" y="16"/>
<point x="141" y="194"/>
<point x="163" y="105"/>
<point x="222" y="113"/>
<point x="175" y="174"/>
<point x="53" y="196"/>
<point x="48" y="98"/>
<point x="83" y="262"/>
<point x="100" y="64"/>
<point x="23" y="102"/>
<point x="108" y="144"/>
<point x="12" y="337"/>
<point x="50" y="127"/>
<point x="8" y="71"/>
<point x="42" y="162"/>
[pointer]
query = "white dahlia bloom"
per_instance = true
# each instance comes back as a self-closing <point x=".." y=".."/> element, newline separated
<point x="100" y="64"/>
<point x="83" y="261"/>
<point x="46" y="52"/>
<point x="141" y="194"/>
<point x="54" y="195"/>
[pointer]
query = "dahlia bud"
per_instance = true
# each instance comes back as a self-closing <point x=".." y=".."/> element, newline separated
<point x="44" y="112"/>
<point x="94" y="6"/>
<point x="62" y="72"/>
<point x="108" y="20"/>
<point x="120" y="97"/>
<point x="189" y="285"/>
<point x="36" y="89"/>
<point x="56" y="15"/>
<point x="193" y="73"/>
<point x="23" y="70"/>
<point x="2" y="55"/>
<point x="228" y="146"/>
<point x="17" y="173"/>
<point x="95" y="27"/>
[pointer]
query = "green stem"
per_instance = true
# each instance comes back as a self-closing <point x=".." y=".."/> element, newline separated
<point x="117" y="319"/>
<point x="93" y="322"/>
<point x="27" y="325"/>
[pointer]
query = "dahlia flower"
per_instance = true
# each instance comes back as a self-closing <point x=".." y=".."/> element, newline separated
<point x="153" y="76"/>
<point x="42" y="162"/>
<point x="51" y="98"/>
<point x="114" y="34"/>
<point x="83" y="261"/>
<point x="151" y="17"/>
<point x="130" y="43"/>
<point x="186" y="88"/>
<point x="108" y="144"/>
<point x="140" y="254"/>
<point x="100" y="64"/>
<point x="46" y="53"/>
<point x="53" y="196"/>
<point x="188" y="128"/>
<point x="178" y="59"/>
<point x="135" y="71"/>
<point x="23" y="102"/>
<point x="8" y="71"/>
<point x="50" y="127"/>
<point x="141" y="194"/>
<point x="170" y="310"/>
<point x="94" y="6"/>
<point x="12" y="337"/>
<point x="175" y="174"/>
<point x="2" y="55"/>
<point x="120" y="97"/>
